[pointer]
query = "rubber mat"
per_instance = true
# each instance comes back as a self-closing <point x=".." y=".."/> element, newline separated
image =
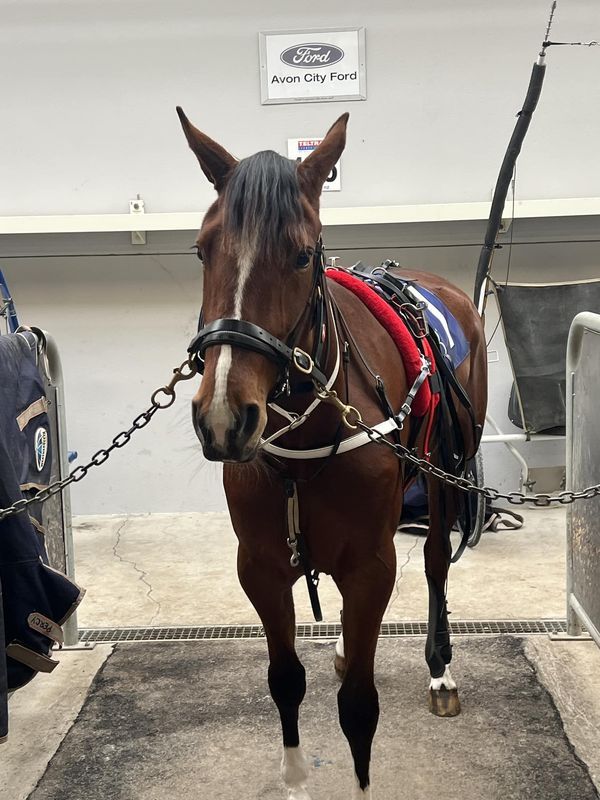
<point x="189" y="721"/>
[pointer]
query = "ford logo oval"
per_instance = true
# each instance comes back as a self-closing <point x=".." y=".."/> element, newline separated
<point x="309" y="56"/>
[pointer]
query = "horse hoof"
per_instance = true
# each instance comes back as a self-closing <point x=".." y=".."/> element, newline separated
<point x="444" y="702"/>
<point x="339" y="664"/>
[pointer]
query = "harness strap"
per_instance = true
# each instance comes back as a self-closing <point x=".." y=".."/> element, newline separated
<point x="383" y="428"/>
<point x="384" y="279"/>
<point x="403" y="290"/>
<point x="385" y="405"/>
<point x="295" y="420"/>
<point x="414" y="390"/>
<point x="393" y="424"/>
<point x="320" y="323"/>
<point x="296" y="543"/>
<point x="451" y="378"/>
<point x="293" y="521"/>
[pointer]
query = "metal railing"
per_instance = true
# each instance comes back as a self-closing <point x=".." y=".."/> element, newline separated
<point x="583" y="451"/>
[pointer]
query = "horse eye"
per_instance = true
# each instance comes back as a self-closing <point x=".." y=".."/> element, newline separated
<point x="303" y="259"/>
<point x="200" y="254"/>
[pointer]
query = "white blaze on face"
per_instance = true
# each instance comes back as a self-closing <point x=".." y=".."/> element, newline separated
<point x="219" y="418"/>
<point x="244" y="268"/>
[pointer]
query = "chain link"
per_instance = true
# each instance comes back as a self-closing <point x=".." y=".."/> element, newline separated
<point x="164" y="397"/>
<point x="465" y="485"/>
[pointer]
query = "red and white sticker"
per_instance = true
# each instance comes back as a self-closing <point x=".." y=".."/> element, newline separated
<point x="299" y="149"/>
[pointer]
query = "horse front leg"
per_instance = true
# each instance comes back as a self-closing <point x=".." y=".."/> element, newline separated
<point x="366" y="592"/>
<point x="443" y="693"/>
<point x="271" y="595"/>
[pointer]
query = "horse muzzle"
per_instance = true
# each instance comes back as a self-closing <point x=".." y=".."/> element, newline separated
<point x="233" y="440"/>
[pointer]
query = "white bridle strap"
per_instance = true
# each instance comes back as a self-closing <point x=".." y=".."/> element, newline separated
<point x="295" y="419"/>
<point x="360" y="439"/>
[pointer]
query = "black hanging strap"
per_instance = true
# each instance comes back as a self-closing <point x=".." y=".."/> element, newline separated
<point x="296" y="543"/>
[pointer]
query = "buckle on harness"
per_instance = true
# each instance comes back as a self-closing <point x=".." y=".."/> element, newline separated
<point x="351" y="416"/>
<point x="414" y="316"/>
<point x="302" y="361"/>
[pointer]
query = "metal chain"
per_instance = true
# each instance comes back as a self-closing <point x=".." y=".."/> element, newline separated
<point x="164" y="397"/>
<point x="353" y="420"/>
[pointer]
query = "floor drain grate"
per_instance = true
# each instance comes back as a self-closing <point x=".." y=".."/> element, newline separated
<point x="493" y="627"/>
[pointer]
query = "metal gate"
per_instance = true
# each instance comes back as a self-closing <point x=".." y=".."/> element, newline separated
<point x="583" y="464"/>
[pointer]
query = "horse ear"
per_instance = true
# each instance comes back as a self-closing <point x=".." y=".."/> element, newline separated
<point x="314" y="170"/>
<point x="215" y="161"/>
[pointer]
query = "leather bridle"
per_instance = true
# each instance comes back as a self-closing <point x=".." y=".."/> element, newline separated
<point x="285" y="354"/>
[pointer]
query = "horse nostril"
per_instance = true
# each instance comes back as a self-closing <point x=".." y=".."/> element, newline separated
<point x="248" y="420"/>
<point x="202" y="431"/>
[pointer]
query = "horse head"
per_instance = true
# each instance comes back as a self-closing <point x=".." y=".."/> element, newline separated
<point x="259" y="246"/>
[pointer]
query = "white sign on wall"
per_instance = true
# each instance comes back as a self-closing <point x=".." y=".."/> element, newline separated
<point x="312" y="66"/>
<point x="298" y="149"/>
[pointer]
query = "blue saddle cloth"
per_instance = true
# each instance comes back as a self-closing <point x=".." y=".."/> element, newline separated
<point x="453" y="342"/>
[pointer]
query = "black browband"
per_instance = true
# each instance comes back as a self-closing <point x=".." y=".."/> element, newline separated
<point x="249" y="336"/>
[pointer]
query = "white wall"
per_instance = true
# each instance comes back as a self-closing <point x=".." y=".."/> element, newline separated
<point x="89" y="88"/>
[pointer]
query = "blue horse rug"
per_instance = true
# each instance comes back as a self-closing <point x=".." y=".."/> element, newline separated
<point x="35" y="599"/>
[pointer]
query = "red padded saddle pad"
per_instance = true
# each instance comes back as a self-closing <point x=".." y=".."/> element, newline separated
<point x="398" y="331"/>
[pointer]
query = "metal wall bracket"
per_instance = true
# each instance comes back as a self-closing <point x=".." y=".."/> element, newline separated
<point x="137" y="206"/>
<point x="79" y="646"/>
<point x="565" y="637"/>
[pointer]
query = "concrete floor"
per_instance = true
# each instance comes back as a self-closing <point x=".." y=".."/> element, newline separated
<point x="180" y="569"/>
<point x="162" y="569"/>
<point x="40" y="716"/>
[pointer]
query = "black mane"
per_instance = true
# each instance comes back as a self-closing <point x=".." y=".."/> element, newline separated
<point x="262" y="205"/>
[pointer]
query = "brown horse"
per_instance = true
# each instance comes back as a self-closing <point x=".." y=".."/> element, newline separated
<point x="273" y="327"/>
